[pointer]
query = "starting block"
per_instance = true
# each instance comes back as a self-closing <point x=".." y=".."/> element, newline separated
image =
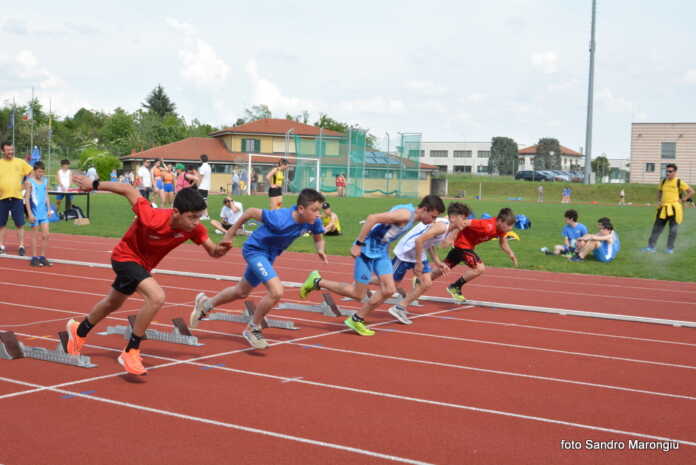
<point x="11" y="348"/>
<point x="327" y="307"/>
<point x="180" y="334"/>
<point x="249" y="309"/>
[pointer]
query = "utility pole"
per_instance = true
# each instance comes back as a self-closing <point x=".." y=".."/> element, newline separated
<point x="590" y="95"/>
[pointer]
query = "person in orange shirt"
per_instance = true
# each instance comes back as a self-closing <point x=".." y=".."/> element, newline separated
<point x="168" y="182"/>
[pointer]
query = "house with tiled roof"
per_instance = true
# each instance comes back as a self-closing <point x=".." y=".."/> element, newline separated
<point x="232" y="148"/>
<point x="570" y="159"/>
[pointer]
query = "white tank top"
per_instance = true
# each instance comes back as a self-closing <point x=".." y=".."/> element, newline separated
<point x="405" y="249"/>
<point x="64" y="179"/>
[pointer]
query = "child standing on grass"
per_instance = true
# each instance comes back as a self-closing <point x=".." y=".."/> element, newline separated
<point x="153" y="234"/>
<point x="572" y="231"/>
<point x="371" y="253"/>
<point x="473" y="233"/>
<point x="39" y="209"/>
<point x="279" y="228"/>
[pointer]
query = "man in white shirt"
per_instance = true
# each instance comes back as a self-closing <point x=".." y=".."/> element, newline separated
<point x="230" y="213"/>
<point x="92" y="173"/>
<point x="145" y="180"/>
<point x="206" y="174"/>
<point x="64" y="182"/>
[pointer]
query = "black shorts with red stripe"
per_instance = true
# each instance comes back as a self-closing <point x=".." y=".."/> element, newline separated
<point x="457" y="256"/>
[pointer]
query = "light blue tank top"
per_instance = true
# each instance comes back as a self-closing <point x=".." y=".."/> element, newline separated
<point x="379" y="237"/>
<point x="38" y="198"/>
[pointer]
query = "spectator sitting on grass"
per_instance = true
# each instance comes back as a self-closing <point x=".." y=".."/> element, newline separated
<point x="604" y="245"/>
<point x="230" y="213"/>
<point x="332" y="225"/>
<point x="572" y="231"/>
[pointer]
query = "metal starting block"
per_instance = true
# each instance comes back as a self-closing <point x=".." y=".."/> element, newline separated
<point x="249" y="309"/>
<point x="327" y="307"/>
<point x="180" y="333"/>
<point x="11" y="348"/>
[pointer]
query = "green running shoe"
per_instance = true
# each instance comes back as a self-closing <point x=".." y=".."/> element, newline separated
<point x="359" y="327"/>
<point x="309" y="284"/>
<point x="456" y="293"/>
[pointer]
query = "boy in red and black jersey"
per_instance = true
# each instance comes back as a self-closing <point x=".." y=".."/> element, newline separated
<point x="472" y="233"/>
<point x="152" y="235"/>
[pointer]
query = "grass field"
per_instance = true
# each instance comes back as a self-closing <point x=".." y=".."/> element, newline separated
<point x="111" y="217"/>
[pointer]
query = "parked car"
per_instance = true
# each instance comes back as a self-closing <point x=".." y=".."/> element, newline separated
<point x="534" y="176"/>
<point x="561" y="175"/>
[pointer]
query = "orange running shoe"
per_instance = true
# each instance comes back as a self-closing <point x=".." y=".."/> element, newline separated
<point x="75" y="342"/>
<point x="132" y="362"/>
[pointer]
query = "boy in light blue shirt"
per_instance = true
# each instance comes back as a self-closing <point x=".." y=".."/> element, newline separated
<point x="572" y="231"/>
<point x="279" y="228"/>
<point x="604" y="246"/>
<point x="371" y="253"/>
<point x="38" y="209"/>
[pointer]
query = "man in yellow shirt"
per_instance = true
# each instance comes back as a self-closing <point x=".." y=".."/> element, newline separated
<point x="670" y="208"/>
<point x="12" y="173"/>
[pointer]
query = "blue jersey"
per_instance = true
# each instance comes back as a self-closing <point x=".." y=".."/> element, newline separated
<point x="278" y="231"/>
<point x="379" y="237"/>
<point x="574" y="233"/>
<point x="608" y="250"/>
<point x="38" y="198"/>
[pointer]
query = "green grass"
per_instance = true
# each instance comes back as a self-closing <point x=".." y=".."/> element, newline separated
<point x="111" y="217"/>
<point x="504" y="187"/>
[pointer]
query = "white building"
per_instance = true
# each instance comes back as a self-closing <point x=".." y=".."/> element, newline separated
<point x="457" y="157"/>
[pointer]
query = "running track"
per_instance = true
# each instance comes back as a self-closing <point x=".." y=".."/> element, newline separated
<point x="461" y="385"/>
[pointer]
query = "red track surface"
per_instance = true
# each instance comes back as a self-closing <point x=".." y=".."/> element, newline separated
<point x="459" y="386"/>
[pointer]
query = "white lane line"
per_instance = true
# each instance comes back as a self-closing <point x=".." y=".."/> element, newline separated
<point x="248" y="429"/>
<point x="290" y="380"/>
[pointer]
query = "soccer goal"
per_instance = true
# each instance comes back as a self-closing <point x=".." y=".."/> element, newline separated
<point x="302" y="172"/>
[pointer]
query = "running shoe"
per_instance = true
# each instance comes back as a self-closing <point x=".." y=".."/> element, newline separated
<point x="310" y="284"/>
<point x="456" y="293"/>
<point x="648" y="249"/>
<point x="132" y="362"/>
<point x="198" y="312"/>
<point x="44" y="261"/>
<point x="575" y="258"/>
<point x="35" y="262"/>
<point x="359" y="327"/>
<point x="669" y="251"/>
<point x="75" y="342"/>
<point x="2" y="249"/>
<point x="399" y="312"/>
<point x="22" y="251"/>
<point x="255" y="338"/>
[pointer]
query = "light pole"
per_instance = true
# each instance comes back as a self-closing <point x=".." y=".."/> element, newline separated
<point x="590" y="94"/>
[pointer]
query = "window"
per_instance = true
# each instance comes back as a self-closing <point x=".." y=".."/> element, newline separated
<point x="669" y="150"/>
<point x="462" y="168"/>
<point x="650" y="167"/>
<point x="462" y="154"/>
<point x="484" y="154"/>
<point x="438" y="153"/>
<point x="422" y="153"/>
<point x="414" y="153"/>
<point x="251" y="145"/>
<point x="442" y="168"/>
<point x="482" y="168"/>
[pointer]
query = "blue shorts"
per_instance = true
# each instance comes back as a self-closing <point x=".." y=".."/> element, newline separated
<point x="259" y="267"/>
<point x="365" y="267"/>
<point x="601" y="255"/>
<point x="169" y="187"/>
<point x="160" y="184"/>
<point x="62" y="196"/>
<point x="14" y="206"/>
<point x="400" y="268"/>
<point x="38" y="222"/>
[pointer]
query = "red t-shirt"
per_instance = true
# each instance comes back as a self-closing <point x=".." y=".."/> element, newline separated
<point x="150" y="238"/>
<point x="479" y="231"/>
<point x="340" y="181"/>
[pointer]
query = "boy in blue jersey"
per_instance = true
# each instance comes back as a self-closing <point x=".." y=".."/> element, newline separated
<point x="38" y="209"/>
<point x="371" y="253"/>
<point x="279" y="228"/>
<point x="572" y="231"/>
<point x="604" y="245"/>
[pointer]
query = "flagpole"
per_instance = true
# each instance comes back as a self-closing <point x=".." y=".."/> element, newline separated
<point x="31" y="115"/>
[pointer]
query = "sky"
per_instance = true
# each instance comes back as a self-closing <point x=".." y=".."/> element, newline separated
<point x="451" y="70"/>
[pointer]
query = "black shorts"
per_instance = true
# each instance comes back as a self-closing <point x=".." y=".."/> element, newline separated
<point x="275" y="192"/>
<point x="204" y="193"/>
<point x="332" y="233"/>
<point x="457" y="255"/>
<point x="225" y="226"/>
<point x="128" y="276"/>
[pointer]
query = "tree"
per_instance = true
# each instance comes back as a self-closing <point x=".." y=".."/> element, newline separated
<point x="301" y="118"/>
<point x="600" y="167"/>
<point x="117" y="133"/>
<point x="256" y="113"/>
<point x="544" y="160"/>
<point x="504" y="153"/>
<point x="326" y="122"/>
<point x="103" y="161"/>
<point x="158" y="102"/>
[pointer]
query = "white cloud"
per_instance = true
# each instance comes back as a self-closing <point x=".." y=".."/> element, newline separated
<point x="181" y="26"/>
<point x="613" y="103"/>
<point x="376" y="105"/>
<point x="201" y="64"/>
<point x="562" y="86"/>
<point x="26" y="59"/>
<point x="268" y="93"/>
<point x="428" y="88"/>
<point x="690" y="76"/>
<point x="547" y="61"/>
<point x="475" y="97"/>
<point x="14" y="26"/>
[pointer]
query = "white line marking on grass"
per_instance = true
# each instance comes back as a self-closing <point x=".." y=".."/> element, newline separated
<point x="223" y="424"/>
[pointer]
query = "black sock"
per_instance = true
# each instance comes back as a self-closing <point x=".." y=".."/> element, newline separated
<point x="316" y="283"/>
<point x="357" y="318"/>
<point x="458" y="283"/>
<point x="133" y="342"/>
<point x="84" y="328"/>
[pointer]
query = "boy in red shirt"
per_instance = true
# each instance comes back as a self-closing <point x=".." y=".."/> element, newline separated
<point x="473" y="233"/>
<point x="152" y="235"/>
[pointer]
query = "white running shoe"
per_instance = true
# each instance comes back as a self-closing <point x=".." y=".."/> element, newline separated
<point x="198" y="312"/>
<point x="399" y="313"/>
<point x="254" y="337"/>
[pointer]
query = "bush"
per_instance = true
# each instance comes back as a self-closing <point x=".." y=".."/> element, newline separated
<point x="103" y="161"/>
